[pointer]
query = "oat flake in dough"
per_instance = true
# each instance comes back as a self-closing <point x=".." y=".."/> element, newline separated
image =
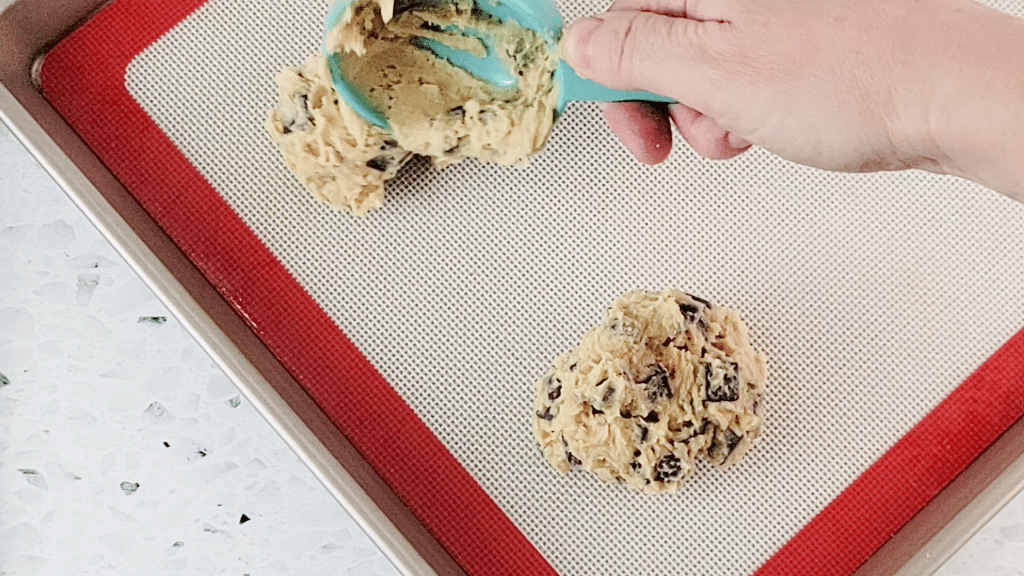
<point x="435" y="109"/>
<point x="666" y="379"/>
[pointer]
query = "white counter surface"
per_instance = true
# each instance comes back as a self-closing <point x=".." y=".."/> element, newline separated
<point x="125" y="450"/>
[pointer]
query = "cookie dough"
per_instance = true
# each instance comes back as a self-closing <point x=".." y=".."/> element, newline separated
<point x="435" y="109"/>
<point x="666" y="379"/>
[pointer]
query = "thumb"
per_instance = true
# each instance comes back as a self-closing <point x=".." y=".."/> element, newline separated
<point x="634" y="50"/>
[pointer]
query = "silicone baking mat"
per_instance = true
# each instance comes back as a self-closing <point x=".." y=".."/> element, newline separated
<point x="890" y="306"/>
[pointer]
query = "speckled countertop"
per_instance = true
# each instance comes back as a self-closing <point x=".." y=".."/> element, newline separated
<point x="125" y="450"/>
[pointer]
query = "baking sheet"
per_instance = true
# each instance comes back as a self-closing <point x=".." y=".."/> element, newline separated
<point x="803" y="255"/>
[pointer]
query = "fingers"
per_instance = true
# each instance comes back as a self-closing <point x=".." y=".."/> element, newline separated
<point x="645" y="131"/>
<point x="653" y="45"/>
<point x="630" y="50"/>
<point x="705" y="136"/>
<point x="693" y="9"/>
<point x="643" y="128"/>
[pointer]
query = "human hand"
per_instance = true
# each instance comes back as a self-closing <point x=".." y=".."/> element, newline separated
<point x="851" y="85"/>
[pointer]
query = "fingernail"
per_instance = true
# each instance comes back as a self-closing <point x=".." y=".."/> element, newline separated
<point x="575" y="46"/>
<point x="736" y="142"/>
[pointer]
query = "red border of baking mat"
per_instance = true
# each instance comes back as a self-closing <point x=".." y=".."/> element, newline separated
<point x="83" y="77"/>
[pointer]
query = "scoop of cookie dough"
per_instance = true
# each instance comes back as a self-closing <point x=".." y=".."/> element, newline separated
<point x="666" y="379"/>
<point x="435" y="109"/>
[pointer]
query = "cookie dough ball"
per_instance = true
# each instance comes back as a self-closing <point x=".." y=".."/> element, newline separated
<point x="336" y="154"/>
<point x="667" y="378"/>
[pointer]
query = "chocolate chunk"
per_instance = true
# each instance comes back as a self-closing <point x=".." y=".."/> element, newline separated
<point x="701" y="300"/>
<point x="608" y="395"/>
<point x="721" y="383"/>
<point x="574" y="462"/>
<point x="694" y="313"/>
<point x="732" y="440"/>
<point x="553" y="386"/>
<point x="657" y="384"/>
<point x="689" y="311"/>
<point x="668" y="469"/>
<point x="723" y="445"/>
<point x="379" y="163"/>
<point x="432" y="27"/>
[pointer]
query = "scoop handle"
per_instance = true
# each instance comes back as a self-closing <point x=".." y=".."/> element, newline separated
<point x="573" y="88"/>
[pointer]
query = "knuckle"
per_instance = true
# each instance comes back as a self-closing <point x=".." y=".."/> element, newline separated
<point x="623" y="46"/>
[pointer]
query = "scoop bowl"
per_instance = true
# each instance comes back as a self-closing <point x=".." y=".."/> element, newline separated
<point x="540" y="16"/>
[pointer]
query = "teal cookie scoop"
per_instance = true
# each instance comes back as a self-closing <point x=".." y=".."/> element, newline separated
<point x="540" y="16"/>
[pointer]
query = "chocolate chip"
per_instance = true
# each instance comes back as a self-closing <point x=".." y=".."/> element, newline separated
<point x="546" y="414"/>
<point x="668" y="469"/>
<point x="379" y="163"/>
<point x="243" y="519"/>
<point x="643" y="434"/>
<point x="652" y="417"/>
<point x="458" y="112"/>
<point x="595" y="411"/>
<point x="657" y="384"/>
<point x="635" y="466"/>
<point x="625" y="413"/>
